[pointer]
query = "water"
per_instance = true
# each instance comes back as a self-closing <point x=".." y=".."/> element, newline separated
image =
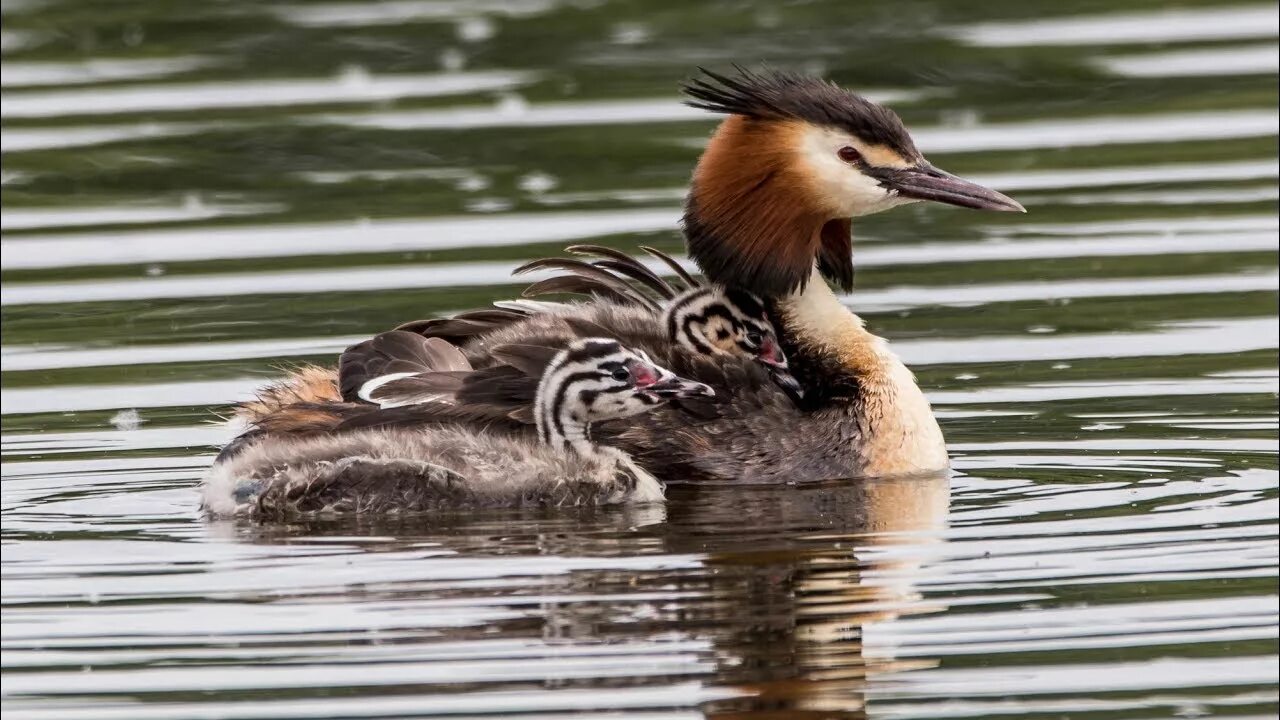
<point x="198" y="194"/>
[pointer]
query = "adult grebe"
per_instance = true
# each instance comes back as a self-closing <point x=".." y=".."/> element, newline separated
<point x="769" y="211"/>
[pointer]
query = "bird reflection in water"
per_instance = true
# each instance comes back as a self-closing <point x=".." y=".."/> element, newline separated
<point x="767" y="597"/>
<point x="808" y="571"/>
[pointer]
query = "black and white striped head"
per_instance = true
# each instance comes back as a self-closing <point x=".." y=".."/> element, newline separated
<point x="724" y="321"/>
<point x="599" y="379"/>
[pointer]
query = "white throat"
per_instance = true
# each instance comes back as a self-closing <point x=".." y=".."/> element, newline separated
<point x="901" y="434"/>
<point x="817" y="315"/>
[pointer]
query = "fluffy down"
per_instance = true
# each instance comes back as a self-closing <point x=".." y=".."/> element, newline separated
<point x="308" y="384"/>
<point x="397" y="471"/>
<point x="753" y="432"/>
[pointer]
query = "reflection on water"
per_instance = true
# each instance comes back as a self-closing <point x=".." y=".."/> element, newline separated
<point x="1117" y="28"/>
<point x="196" y="195"/>
<point x="812" y="607"/>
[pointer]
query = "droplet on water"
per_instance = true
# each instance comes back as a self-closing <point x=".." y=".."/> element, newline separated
<point x="126" y="420"/>
<point x="452" y="59"/>
<point x="476" y="29"/>
<point x="537" y="182"/>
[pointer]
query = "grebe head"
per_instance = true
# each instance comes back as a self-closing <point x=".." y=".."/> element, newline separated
<point x="794" y="161"/>
<point x="715" y="320"/>
<point x="724" y="321"/>
<point x="597" y="379"/>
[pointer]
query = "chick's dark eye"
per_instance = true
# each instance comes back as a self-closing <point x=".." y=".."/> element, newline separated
<point x="621" y="374"/>
<point x="754" y="337"/>
<point x="849" y="154"/>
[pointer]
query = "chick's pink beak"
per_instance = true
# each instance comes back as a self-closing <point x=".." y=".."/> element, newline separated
<point x="771" y="354"/>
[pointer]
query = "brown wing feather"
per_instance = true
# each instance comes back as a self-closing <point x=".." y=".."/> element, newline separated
<point x="427" y="387"/>
<point x="621" y="262"/>
<point x="676" y="267"/>
<point x="575" y="285"/>
<point x="529" y="359"/>
<point x="585" y="269"/>
<point x="455" y="330"/>
<point x="466" y="324"/>
<point x="599" y="280"/>
<point x="661" y="288"/>
<point x="473" y="415"/>
<point x="501" y="390"/>
<point x="442" y="357"/>
<point x="395" y="351"/>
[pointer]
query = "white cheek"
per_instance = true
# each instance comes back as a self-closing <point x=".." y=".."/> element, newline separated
<point x="845" y="190"/>
<point x="862" y="194"/>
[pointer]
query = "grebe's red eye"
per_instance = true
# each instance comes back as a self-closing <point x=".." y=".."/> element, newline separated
<point x="849" y="154"/>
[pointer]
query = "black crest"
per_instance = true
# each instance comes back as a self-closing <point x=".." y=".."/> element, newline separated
<point x="780" y="95"/>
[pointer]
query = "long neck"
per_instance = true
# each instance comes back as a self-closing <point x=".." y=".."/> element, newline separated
<point x="831" y="352"/>
<point x="560" y="425"/>
<point x="843" y="366"/>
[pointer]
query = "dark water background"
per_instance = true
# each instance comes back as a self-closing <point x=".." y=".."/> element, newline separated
<point x="198" y="193"/>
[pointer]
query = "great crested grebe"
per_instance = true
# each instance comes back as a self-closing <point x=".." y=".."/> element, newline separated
<point x="376" y="469"/>
<point x="769" y="211"/>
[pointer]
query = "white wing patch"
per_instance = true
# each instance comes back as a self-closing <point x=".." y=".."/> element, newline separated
<point x="536" y="307"/>
<point x="366" y="390"/>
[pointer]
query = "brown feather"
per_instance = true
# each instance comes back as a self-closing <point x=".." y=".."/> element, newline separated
<point x="575" y="285"/>
<point x="690" y="281"/>
<point x="395" y="351"/>
<point x="471" y="415"/>
<point x="464" y="325"/>
<point x="453" y="330"/>
<point x="640" y="274"/>
<point x="751" y="219"/>
<point x="578" y="267"/>
<point x="621" y="262"/>
<point x="420" y="388"/>
<point x="531" y="360"/>
<point x="501" y="389"/>
<point x="308" y="384"/>
<point x="492" y="315"/>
